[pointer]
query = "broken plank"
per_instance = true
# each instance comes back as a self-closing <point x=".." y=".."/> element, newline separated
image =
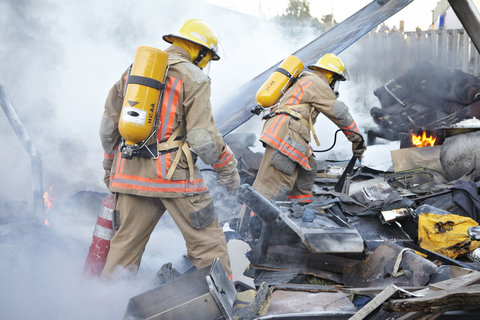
<point x="377" y="290"/>
<point x="306" y="287"/>
<point x="458" y="282"/>
<point x="440" y="301"/>
<point x="324" y="261"/>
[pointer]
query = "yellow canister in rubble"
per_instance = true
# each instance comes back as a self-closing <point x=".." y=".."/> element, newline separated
<point x="279" y="81"/>
<point x="144" y="87"/>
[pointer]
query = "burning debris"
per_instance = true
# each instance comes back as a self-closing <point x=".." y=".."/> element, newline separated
<point x="423" y="103"/>
<point x="422" y="140"/>
<point x="48" y="203"/>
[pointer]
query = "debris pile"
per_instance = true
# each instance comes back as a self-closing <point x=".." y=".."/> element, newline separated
<point x="401" y="243"/>
<point x="417" y="238"/>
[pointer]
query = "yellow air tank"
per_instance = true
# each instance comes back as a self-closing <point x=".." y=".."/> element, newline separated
<point x="144" y="87"/>
<point x="279" y="81"/>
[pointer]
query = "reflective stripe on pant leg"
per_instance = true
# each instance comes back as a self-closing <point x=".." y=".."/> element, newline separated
<point x="203" y="245"/>
<point x="138" y="217"/>
<point x="304" y="198"/>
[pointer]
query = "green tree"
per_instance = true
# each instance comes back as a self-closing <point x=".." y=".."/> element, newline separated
<point x="298" y="9"/>
<point x="297" y="19"/>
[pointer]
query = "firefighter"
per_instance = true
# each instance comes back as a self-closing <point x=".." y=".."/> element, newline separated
<point x="288" y="167"/>
<point x="142" y="186"/>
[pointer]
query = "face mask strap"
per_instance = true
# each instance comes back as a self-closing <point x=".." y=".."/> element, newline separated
<point x="202" y="54"/>
<point x="335" y="79"/>
<point x="335" y="83"/>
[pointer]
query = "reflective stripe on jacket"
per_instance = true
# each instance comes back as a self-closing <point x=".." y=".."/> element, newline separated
<point x="352" y="126"/>
<point x="271" y="136"/>
<point x="224" y="158"/>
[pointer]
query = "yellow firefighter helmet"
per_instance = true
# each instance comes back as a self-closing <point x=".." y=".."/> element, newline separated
<point x="332" y="63"/>
<point x="197" y="31"/>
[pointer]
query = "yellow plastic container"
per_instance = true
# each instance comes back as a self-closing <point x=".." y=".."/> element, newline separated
<point x="144" y="87"/>
<point x="279" y="81"/>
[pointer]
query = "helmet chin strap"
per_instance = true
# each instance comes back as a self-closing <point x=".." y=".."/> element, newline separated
<point x="201" y="54"/>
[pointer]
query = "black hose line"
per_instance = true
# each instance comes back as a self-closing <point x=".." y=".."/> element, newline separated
<point x="325" y="150"/>
<point x="335" y="139"/>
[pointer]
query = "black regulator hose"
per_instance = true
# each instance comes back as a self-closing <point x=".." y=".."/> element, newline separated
<point x="335" y="139"/>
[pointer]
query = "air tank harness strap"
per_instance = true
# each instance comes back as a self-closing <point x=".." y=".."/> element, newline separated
<point x="288" y="110"/>
<point x="183" y="147"/>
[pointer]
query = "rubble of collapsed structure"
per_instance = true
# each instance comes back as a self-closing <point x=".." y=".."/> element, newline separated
<point x="400" y="243"/>
<point x="396" y="244"/>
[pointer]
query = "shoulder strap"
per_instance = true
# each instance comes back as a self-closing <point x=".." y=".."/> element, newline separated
<point x="289" y="110"/>
<point x="183" y="147"/>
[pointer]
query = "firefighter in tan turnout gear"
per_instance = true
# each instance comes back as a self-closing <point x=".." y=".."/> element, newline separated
<point x="164" y="176"/>
<point x="288" y="167"/>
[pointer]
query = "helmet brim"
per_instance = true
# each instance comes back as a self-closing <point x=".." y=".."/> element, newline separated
<point x="169" y="38"/>
<point x="315" y="67"/>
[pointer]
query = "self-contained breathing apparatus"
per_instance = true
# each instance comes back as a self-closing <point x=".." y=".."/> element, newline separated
<point x="279" y="81"/>
<point x="270" y="93"/>
<point x="143" y="93"/>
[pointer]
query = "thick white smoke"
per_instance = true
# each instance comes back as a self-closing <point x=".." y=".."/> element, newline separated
<point x="58" y="60"/>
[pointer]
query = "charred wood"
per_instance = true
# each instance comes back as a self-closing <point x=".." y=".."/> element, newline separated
<point x="445" y="300"/>
<point x="323" y="261"/>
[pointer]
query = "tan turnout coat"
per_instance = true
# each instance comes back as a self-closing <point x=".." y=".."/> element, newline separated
<point x="286" y="168"/>
<point x="185" y="104"/>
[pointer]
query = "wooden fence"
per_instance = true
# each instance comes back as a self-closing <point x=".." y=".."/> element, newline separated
<point x="379" y="57"/>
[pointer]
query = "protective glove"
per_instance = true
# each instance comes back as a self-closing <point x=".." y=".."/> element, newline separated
<point x="230" y="180"/>
<point x="358" y="147"/>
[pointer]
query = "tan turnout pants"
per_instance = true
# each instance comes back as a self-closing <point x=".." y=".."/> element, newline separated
<point x="275" y="184"/>
<point x="138" y="217"/>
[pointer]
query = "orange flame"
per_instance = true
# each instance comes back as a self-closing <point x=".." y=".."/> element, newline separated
<point x="48" y="202"/>
<point x="422" y="140"/>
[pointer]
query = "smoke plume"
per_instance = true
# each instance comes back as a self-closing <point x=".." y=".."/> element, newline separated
<point x="58" y="61"/>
